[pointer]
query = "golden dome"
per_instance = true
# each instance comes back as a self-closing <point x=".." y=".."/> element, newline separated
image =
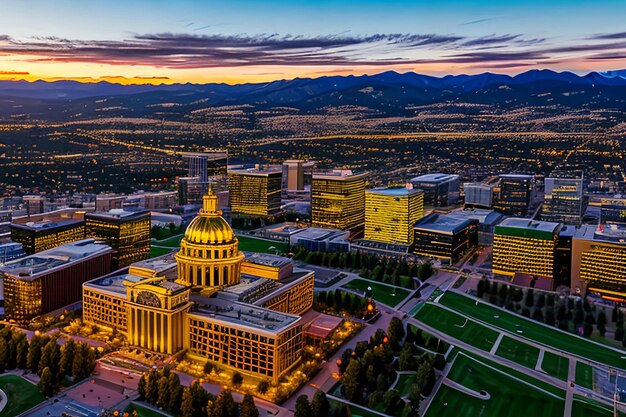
<point x="208" y="227"/>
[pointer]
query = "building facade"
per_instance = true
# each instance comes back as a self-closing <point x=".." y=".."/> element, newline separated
<point x="128" y="233"/>
<point x="40" y="236"/>
<point x="444" y="237"/>
<point x="514" y="194"/>
<point x="613" y="210"/>
<point x="478" y="194"/>
<point x="440" y="190"/>
<point x="564" y="200"/>
<point x="255" y="192"/>
<point x="338" y="201"/>
<point x="390" y="214"/>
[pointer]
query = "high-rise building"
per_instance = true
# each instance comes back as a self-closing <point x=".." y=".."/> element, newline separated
<point x="206" y="165"/>
<point x="599" y="261"/>
<point x="514" y="194"/>
<point x="34" y="203"/>
<point x="190" y="190"/>
<point x="255" y="192"/>
<point x="159" y="201"/>
<point x="244" y="317"/>
<point x="52" y="279"/>
<point x="106" y="202"/>
<point x="478" y="194"/>
<point x="39" y="236"/>
<point x="445" y="237"/>
<point x="564" y="199"/>
<point x="440" y="190"/>
<point x="390" y="214"/>
<point x="128" y="233"/>
<point x="293" y="174"/>
<point x="338" y="201"/>
<point x="613" y="210"/>
<point x="525" y="246"/>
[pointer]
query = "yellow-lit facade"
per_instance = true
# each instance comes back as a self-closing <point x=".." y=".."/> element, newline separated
<point x="46" y="235"/>
<point x="254" y="192"/>
<point x="262" y="337"/>
<point x="390" y="214"/>
<point x="338" y="201"/>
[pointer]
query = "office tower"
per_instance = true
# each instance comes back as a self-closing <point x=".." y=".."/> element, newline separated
<point x="293" y="174"/>
<point x="39" y="236"/>
<point x="106" y="202"/>
<point x="444" y="237"/>
<point x="613" y="210"/>
<point x="478" y="194"/>
<point x="599" y="261"/>
<point x="525" y="246"/>
<point x="128" y="233"/>
<point x="564" y="200"/>
<point x="515" y="194"/>
<point x="159" y="201"/>
<point x="52" y="279"/>
<point x="440" y="190"/>
<point x="248" y="323"/>
<point x="487" y="221"/>
<point x="256" y="191"/>
<point x="338" y="201"/>
<point x="190" y="190"/>
<point x="390" y="214"/>
<point x="206" y="165"/>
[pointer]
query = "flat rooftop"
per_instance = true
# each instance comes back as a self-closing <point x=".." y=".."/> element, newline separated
<point x="242" y="314"/>
<point x="484" y="216"/>
<point x="33" y="266"/>
<point x="517" y="176"/>
<point x="266" y="259"/>
<point x="435" y="177"/>
<point x="47" y="225"/>
<point x="339" y="174"/>
<point x="441" y="223"/>
<point x="318" y="233"/>
<point x="255" y="171"/>
<point x="394" y="191"/>
<point x="117" y="214"/>
<point x="613" y="233"/>
<point x="523" y="223"/>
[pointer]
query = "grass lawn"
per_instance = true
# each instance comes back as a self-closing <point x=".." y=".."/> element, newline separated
<point x="403" y="386"/>
<point x="21" y="395"/>
<point x="519" y="352"/>
<point x="584" y="375"/>
<point x="154" y="251"/>
<point x="246" y="243"/>
<point x="555" y="365"/>
<point x="584" y="407"/>
<point x="143" y="411"/>
<point x="508" y="397"/>
<point x="172" y="242"/>
<point x="533" y="330"/>
<point x="457" y="326"/>
<point x="380" y="292"/>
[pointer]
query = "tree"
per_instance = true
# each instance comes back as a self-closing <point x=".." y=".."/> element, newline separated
<point x="163" y="392"/>
<point x="248" y="408"/>
<point x="34" y="353"/>
<point x="391" y="399"/>
<point x="4" y="354"/>
<point x="425" y="377"/>
<point x="406" y="361"/>
<point x="50" y="355"/>
<point x="587" y="329"/>
<point x="303" y="408"/>
<point x="395" y="331"/>
<point x="46" y="382"/>
<point x="320" y="406"/>
<point x="187" y="405"/>
<point x="263" y="386"/>
<point x="237" y="379"/>
<point x="614" y="314"/>
<point x="21" y="353"/>
<point x="601" y="323"/>
<point x="619" y="333"/>
<point x="480" y="288"/>
<point x="67" y="355"/>
<point x="350" y="380"/>
<point x="415" y="396"/>
<point x="375" y="399"/>
<point x="194" y="400"/>
<point x="439" y="362"/>
<point x="530" y="298"/>
<point x="141" y="387"/>
<point x="83" y="362"/>
<point x="225" y="405"/>
<point x="175" y="393"/>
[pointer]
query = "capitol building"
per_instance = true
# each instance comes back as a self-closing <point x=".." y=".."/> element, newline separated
<point x="236" y="310"/>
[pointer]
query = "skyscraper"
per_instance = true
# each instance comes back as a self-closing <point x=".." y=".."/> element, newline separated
<point x="564" y="200"/>
<point x="613" y="210"/>
<point x="255" y="191"/>
<point x="440" y="190"/>
<point x="390" y="214"/>
<point x="338" y="200"/>
<point x="206" y="165"/>
<point x="514" y="194"/>
<point x="293" y="173"/>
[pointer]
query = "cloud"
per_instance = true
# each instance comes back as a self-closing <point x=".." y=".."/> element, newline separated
<point x="14" y="73"/>
<point x="609" y="36"/>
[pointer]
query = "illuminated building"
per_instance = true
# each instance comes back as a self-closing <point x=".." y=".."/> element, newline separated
<point x="190" y="190"/>
<point x="11" y="250"/>
<point x="128" y="233"/>
<point x="338" y="201"/>
<point x="390" y="214"/>
<point x="315" y="239"/>
<point x="34" y="203"/>
<point x="440" y="190"/>
<point x="52" y="279"/>
<point x="207" y="165"/>
<point x="514" y="194"/>
<point x="242" y="314"/>
<point x="106" y="202"/>
<point x="487" y="221"/>
<point x="599" y="260"/>
<point x="525" y="246"/>
<point x="256" y="191"/>
<point x="293" y="174"/>
<point x="444" y="237"/>
<point x="613" y="210"/>
<point x="564" y="200"/>
<point x="478" y="195"/>
<point x="39" y="236"/>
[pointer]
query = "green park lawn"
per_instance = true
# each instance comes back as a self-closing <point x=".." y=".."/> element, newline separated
<point x="533" y="330"/>
<point x="403" y="386"/>
<point x="21" y="395"/>
<point x="457" y="326"/>
<point x="508" y="396"/>
<point x="386" y="294"/>
<point x="584" y="407"/>
<point x="246" y="243"/>
<point x="584" y="375"/>
<point x="156" y="251"/>
<point x="172" y="242"/>
<point x="143" y="411"/>
<point x="519" y="352"/>
<point x="555" y="365"/>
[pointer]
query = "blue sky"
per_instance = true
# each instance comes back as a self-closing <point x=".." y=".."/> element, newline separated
<point x="95" y="39"/>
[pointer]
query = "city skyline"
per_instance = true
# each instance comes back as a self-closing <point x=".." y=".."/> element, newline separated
<point x="244" y="41"/>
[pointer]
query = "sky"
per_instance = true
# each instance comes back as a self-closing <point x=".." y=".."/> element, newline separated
<point x="235" y="41"/>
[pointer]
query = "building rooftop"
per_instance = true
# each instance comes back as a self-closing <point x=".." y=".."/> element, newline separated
<point x="484" y="216"/>
<point x="435" y="177"/>
<point x="117" y="214"/>
<point x="256" y="171"/>
<point x="441" y="223"/>
<point x="46" y="225"/>
<point x="33" y="266"/>
<point x="317" y="233"/>
<point x="394" y="191"/>
<point x="528" y="228"/>
<point x="517" y="176"/>
<point x="266" y="259"/>
<point x="614" y="233"/>
<point x="339" y="174"/>
<point x="246" y="315"/>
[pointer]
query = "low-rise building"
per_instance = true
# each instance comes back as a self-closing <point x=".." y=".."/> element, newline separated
<point x="444" y="237"/>
<point x="39" y="236"/>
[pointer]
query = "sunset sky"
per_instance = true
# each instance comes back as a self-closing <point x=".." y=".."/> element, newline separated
<point x="253" y="41"/>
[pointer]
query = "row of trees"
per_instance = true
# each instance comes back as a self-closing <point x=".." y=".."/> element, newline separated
<point x="162" y="388"/>
<point x="44" y="356"/>
<point x="319" y="406"/>
<point x="340" y="302"/>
